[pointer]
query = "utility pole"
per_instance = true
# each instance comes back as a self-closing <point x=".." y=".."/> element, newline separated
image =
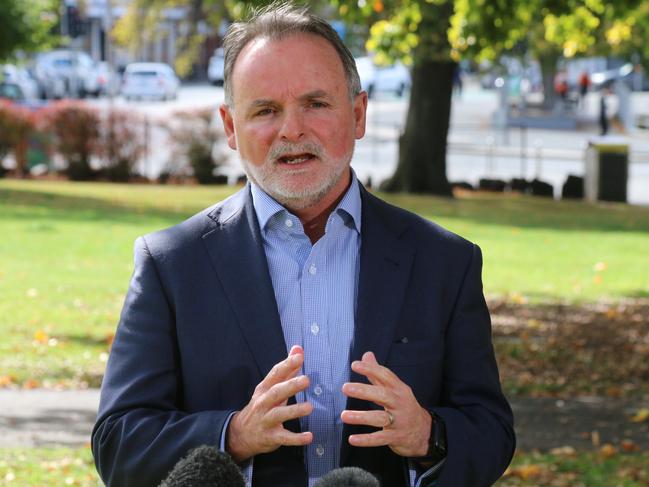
<point x="108" y="43"/>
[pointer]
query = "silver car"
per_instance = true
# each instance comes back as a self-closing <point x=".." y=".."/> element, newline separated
<point x="150" y="80"/>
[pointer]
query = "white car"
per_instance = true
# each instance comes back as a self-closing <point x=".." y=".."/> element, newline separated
<point x="150" y="80"/>
<point x="374" y="78"/>
<point x="215" y="68"/>
<point x="21" y="77"/>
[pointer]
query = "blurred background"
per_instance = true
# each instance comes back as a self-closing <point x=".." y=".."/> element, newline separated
<point x="521" y="125"/>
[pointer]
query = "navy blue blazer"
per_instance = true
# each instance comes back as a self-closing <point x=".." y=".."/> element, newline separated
<point x="200" y="329"/>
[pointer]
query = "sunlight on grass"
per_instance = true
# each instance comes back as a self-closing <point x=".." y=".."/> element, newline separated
<point x="66" y="258"/>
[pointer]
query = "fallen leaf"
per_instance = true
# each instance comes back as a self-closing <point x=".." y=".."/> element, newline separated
<point x="31" y="384"/>
<point x="526" y="471"/>
<point x="600" y="266"/>
<point x="594" y="438"/>
<point x="6" y="380"/>
<point x="641" y="416"/>
<point x="41" y="337"/>
<point x="629" y="446"/>
<point x="608" y="450"/>
<point x="563" y="451"/>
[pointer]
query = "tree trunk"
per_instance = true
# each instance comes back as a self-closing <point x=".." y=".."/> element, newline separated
<point x="548" y="62"/>
<point x="422" y="147"/>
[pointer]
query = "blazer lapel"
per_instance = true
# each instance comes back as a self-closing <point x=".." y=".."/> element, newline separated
<point x="236" y="250"/>
<point x="386" y="262"/>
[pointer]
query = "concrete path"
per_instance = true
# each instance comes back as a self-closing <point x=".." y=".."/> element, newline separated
<point x="65" y="418"/>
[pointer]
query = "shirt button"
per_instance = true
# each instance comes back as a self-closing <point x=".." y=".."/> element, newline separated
<point x="317" y="390"/>
<point x="319" y="450"/>
<point x="288" y="223"/>
<point x="312" y="270"/>
<point x="315" y="328"/>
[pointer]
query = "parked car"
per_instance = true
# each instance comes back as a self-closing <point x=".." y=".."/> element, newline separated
<point x="106" y="79"/>
<point x="150" y="80"/>
<point x="74" y="68"/>
<point x="374" y="78"/>
<point x="14" y="93"/>
<point x="215" y="68"/>
<point x="20" y="76"/>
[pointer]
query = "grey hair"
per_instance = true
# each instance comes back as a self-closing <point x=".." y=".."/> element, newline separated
<point x="276" y="22"/>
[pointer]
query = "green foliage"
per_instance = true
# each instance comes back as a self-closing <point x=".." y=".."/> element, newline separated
<point x="26" y="25"/>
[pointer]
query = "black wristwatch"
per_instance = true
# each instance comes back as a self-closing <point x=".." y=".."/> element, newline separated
<point x="437" y="441"/>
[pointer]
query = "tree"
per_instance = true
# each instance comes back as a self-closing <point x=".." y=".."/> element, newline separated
<point x="26" y="26"/>
<point x="548" y="30"/>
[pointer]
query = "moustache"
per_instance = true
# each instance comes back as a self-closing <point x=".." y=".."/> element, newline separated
<point x="284" y="149"/>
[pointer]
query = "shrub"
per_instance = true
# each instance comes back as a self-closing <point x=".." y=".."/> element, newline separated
<point x="16" y="126"/>
<point x="75" y="128"/>
<point x="122" y="144"/>
<point x="193" y="138"/>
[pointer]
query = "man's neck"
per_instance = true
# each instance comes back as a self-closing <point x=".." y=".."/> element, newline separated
<point x="314" y="219"/>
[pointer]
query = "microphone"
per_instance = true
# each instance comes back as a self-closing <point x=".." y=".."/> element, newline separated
<point x="205" y="466"/>
<point x="348" y="477"/>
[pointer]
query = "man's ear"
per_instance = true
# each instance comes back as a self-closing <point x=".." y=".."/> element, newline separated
<point x="228" y="126"/>
<point x="360" y="113"/>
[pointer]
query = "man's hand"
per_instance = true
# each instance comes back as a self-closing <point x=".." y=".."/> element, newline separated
<point x="406" y="425"/>
<point x="258" y="428"/>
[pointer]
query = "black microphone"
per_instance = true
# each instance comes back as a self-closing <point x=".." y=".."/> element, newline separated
<point x="348" y="477"/>
<point x="205" y="466"/>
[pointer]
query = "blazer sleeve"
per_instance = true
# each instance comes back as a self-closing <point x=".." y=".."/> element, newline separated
<point x="141" y="429"/>
<point x="478" y="418"/>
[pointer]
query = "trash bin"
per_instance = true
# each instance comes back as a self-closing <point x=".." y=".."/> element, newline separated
<point x="607" y="169"/>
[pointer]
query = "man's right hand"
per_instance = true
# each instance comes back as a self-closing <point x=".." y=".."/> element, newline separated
<point x="258" y="427"/>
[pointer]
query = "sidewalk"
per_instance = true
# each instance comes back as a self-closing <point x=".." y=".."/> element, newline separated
<point x="38" y="418"/>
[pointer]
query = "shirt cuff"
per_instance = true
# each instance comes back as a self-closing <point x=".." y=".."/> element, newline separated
<point x="427" y="478"/>
<point x="246" y="467"/>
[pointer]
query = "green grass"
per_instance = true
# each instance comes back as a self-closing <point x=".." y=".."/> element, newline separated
<point x="66" y="257"/>
<point x="41" y="467"/>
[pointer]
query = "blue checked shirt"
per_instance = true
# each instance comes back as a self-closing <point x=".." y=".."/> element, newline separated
<point x="316" y="288"/>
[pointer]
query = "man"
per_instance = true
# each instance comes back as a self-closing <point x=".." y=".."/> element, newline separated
<point x="303" y="324"/>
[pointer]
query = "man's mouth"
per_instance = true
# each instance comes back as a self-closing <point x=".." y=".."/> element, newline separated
<point x="296" y="158"/>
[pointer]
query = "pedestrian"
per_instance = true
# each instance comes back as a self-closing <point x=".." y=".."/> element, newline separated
<point x="584" y="85"/>
<point x="457" y="80"/>
<point x="303" y="324"/>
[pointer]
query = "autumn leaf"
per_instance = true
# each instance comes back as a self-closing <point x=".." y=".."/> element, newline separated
<point x="629" y="446"/>
<point x="41" y="337"/>
<point x="563" y="451"/>
<point x="526" y="471"/>
<point x="608" y="450"/>
<point x="31" y="384"/>
<point x="641" y="416"/>
<point x="6" y="380"/>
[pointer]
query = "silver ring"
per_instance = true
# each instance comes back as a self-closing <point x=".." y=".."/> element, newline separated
<point x="390" y="419"/>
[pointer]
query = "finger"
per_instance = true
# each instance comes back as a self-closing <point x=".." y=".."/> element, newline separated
<point x="282" y="414"/>
<point x="378" y="438"/>
<point x="295" y="349"/>
<point x="375" y="394"/>
<point x="279" y="393"/>
<point x="283" y="370"/>
<point x="378" y="419"/>
<point x="288" y="438"/>
<point x="376" y="374"/>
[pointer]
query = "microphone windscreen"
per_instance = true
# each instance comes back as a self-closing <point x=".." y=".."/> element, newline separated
<point x="205" y="466"/>
<point x="348" y="477"/>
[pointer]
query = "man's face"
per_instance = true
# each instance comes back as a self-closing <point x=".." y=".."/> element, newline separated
<point x="293" y="122"/>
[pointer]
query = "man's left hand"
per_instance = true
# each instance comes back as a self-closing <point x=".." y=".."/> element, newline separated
<point x="405" y="424"/>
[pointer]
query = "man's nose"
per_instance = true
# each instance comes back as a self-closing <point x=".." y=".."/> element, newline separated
<point x="292" y="128"/>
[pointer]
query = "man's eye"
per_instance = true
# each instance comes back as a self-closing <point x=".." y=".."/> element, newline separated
<point x="265" y="111"/>
<point x="318" y="104"/>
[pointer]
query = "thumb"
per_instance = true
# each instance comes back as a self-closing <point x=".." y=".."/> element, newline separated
<point x="369" y="357"/>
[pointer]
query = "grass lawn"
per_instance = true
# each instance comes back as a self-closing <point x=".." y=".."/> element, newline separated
<point x="66" y="257"/>
<point x="39" y="467"/>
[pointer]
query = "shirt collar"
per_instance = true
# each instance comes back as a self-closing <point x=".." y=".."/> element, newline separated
<point x="350" y="205"/>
